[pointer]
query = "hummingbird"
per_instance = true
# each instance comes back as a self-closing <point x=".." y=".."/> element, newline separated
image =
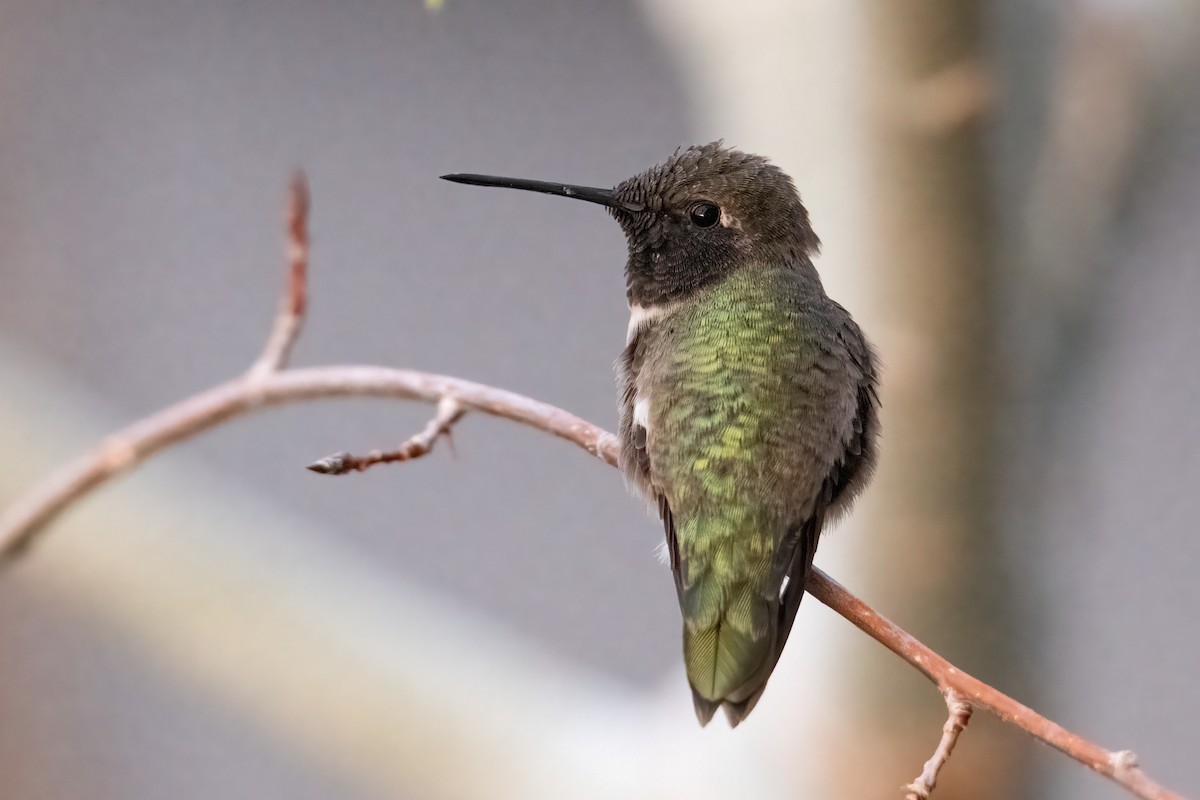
<point x="749" y="411"/>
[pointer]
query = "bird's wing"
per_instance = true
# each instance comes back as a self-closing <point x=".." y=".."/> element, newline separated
<point x="635" y="457"/>
<point x="853" y="469"/>
<point x="668" y="519"/>
<point x="848" y="473"/>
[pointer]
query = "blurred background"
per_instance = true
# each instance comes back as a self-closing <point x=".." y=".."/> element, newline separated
<point x="1008" y="196"/>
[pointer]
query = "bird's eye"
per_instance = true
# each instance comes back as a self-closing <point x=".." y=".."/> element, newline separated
<point x="704" y="214"/>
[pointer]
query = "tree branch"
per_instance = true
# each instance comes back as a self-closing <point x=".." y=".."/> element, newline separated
<point x="1120" y="766"/>
<point x="128" y="448"/>
<point x="269" y="384"/>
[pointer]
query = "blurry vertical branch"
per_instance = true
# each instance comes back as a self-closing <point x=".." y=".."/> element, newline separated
<point x="269" y="383"/>
<point x="929" y="91"/>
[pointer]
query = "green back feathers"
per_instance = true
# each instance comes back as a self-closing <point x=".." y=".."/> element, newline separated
<point x="719" y="409"/>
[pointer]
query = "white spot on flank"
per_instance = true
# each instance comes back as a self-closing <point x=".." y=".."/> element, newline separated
<point x="641" y="412"/>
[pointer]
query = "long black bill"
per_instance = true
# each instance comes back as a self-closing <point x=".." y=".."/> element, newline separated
<point x="605" y="197"/>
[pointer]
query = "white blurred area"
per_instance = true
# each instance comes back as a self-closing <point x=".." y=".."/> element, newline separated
<point x="1006" y="197"/>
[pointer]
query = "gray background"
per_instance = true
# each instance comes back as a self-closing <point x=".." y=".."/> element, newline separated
<point x="144" y="149"/>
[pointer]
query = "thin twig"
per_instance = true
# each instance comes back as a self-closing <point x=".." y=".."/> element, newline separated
<point x="956" y="723"/>
<point x="268" y="384"/>
<point x="289" y="320"/>
<point x="439" y="426"/>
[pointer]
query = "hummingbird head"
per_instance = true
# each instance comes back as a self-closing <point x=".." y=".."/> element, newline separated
<point x="708" y="210"/>
<point x="703" y="213"/>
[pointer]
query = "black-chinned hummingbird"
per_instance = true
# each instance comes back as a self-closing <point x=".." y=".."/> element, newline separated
<point x="748" y="402"/>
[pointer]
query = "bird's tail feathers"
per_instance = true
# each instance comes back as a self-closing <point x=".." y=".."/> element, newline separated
<point x="728" y="647"/>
